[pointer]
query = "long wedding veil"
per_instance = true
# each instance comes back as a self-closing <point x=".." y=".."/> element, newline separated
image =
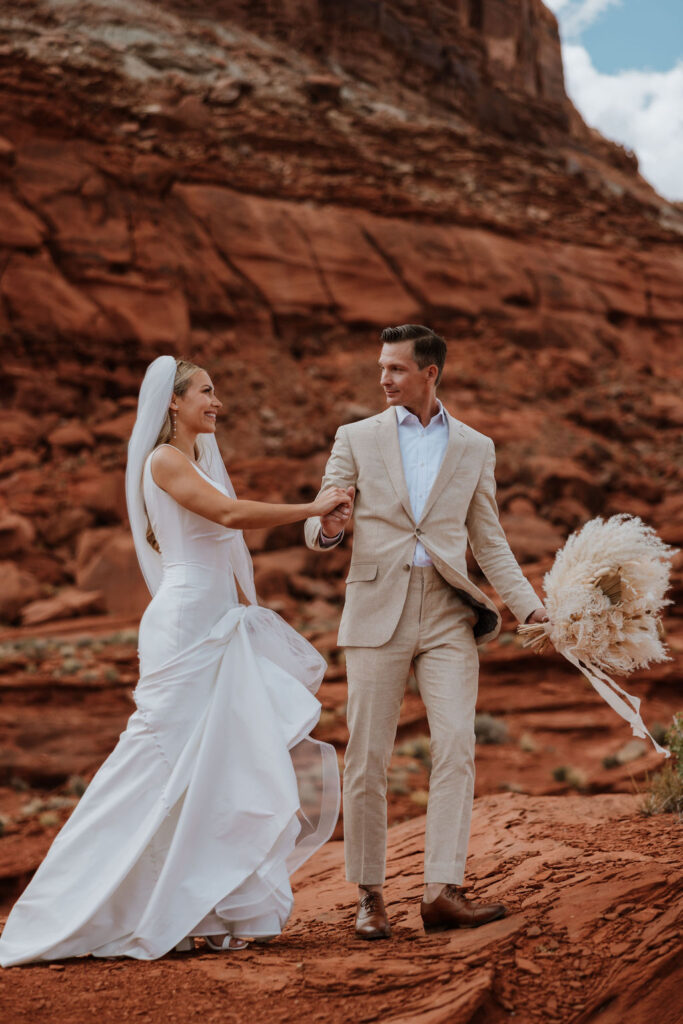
<point x="153" y="403"/>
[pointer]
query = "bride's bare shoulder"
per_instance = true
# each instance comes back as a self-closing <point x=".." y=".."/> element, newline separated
<point x="167" y="463"/>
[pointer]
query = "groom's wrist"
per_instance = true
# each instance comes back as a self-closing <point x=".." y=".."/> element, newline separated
<point x="326" y="542"/>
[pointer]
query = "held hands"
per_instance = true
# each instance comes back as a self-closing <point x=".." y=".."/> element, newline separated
<point x="337" y="517"/>
<point x="334" y="501"/>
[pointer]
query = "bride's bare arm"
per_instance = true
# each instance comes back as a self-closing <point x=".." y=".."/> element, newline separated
<point x="172" y="472"/>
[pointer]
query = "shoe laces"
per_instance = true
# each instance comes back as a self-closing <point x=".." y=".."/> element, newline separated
<point x="452" y="890"/>
<point x="370" y="900"/>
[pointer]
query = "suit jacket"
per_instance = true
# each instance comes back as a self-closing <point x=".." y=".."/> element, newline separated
<point x="461" y="506"/>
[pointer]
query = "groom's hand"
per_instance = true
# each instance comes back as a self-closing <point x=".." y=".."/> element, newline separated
<point x="338" y="519"/>
<point x="538" y="615"/>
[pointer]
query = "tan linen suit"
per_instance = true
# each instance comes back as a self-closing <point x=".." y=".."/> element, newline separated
<point x="396" y="614"/>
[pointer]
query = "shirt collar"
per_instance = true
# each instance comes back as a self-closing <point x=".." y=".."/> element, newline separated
<point x="403" y="414"/>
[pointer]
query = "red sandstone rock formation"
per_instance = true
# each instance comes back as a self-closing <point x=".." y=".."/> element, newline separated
<point x="592" y="937"/>
<point x="261" y="187"/>
<point x="263" y="190"/>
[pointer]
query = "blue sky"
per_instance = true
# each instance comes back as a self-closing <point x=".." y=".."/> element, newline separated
<point x="645" y="34"/>
<point x="623" y="62"/>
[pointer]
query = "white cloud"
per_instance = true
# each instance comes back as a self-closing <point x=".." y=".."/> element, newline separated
<point x="641" y="109"/>
<point x="576" y="15"/>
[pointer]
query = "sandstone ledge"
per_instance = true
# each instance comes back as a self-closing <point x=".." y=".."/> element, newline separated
<point x="593" y="935"/>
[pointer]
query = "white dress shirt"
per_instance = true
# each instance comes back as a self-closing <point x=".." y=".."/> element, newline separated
<point x="422" y="452"/>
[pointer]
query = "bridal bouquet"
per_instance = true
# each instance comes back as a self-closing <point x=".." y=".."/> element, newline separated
<point x="604" y="595"/>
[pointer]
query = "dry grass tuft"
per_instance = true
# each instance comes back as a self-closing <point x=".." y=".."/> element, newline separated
<point x="665" y="795"/>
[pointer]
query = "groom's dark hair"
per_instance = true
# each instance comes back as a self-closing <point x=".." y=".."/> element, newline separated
<point x="428" y="348"/>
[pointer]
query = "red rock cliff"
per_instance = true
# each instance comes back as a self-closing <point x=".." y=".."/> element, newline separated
<point x="263" y="186"/>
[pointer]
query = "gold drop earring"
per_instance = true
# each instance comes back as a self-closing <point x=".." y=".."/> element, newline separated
<point x="173" y="424"/>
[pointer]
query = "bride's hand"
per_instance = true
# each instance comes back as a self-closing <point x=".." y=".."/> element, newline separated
<point x="334" y="498"/>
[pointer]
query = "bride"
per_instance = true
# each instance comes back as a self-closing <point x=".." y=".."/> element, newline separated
<point x="215" y="793"/>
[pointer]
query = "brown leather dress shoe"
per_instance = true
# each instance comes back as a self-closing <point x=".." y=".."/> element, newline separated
<point x="371" y="917"/>
<point x="450" y="909"/>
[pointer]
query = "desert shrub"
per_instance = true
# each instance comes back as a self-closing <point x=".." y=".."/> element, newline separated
<point x="122" y="636"/>
<point x="574" y="777"/>
<point x="665" y="794"/>
<point x="419" y="748"/>
<point x="76" y="785"/>
<point x="658" y="732"/>
<point x="630" y="751"/>
<point x="488" y="729"/>
<point x="398" y="783"/>
<point x="71" y="665"/>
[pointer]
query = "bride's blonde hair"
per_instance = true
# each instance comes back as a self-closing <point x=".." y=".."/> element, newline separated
<point x="184" y="373"/>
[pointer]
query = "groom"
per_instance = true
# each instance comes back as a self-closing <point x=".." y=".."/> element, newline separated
<point x="424" y="486"/>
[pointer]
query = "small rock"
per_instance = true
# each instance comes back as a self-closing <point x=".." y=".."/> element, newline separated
<point x="228" y="90"/>
<point x="18" y="589"/>
<point x="16" y="533"/>
<point x="527" y="965"/>
<point x="533" y="931"/>
<point x="19" y="459"/>
<point x="631" y="751"/>
<point x="7" y="152"/>
<point x="117" y="429"/>
<point x="193" y="112"/>
<point x="65" y="605"/>
<point x="645" y="916"/>
<point x="106" y="563"/>
<point x="72" y="436"/>
<point x="325" y="88"/>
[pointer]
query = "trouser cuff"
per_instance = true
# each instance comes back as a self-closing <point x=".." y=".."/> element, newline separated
<point x="448" y="873"/>
<point x="368" y="875"/>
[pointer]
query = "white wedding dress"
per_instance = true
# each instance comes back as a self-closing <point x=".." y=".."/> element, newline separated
<point x="214" y="793"/>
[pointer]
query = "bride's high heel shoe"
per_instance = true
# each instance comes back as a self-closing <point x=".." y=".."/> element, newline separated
<point x="185" y="945"/>
<point x="230" y="944"/>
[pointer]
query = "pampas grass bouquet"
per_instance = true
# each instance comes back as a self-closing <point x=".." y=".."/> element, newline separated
<point x="605" y="594"/>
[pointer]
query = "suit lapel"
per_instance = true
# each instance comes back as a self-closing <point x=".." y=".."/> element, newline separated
<point x="387" y="439"/>
<point x="455" y="450"/>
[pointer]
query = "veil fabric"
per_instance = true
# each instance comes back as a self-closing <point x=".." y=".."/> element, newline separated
<point x="154" y="400"/>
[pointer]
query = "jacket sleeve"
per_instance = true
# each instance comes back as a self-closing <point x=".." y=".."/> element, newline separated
<point x="340" y="471"/>
<point x="490" y="546"/>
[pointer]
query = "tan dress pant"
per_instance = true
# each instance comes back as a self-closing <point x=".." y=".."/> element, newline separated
<point x="435" y="634"/>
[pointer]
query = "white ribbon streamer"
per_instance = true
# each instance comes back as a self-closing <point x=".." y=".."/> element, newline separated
<point x="610" y="691"/>
<point x="628" y="708"/>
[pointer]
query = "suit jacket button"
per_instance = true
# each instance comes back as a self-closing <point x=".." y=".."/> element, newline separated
<point x="418" y="531"/>
<point x="407" y="567"/>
